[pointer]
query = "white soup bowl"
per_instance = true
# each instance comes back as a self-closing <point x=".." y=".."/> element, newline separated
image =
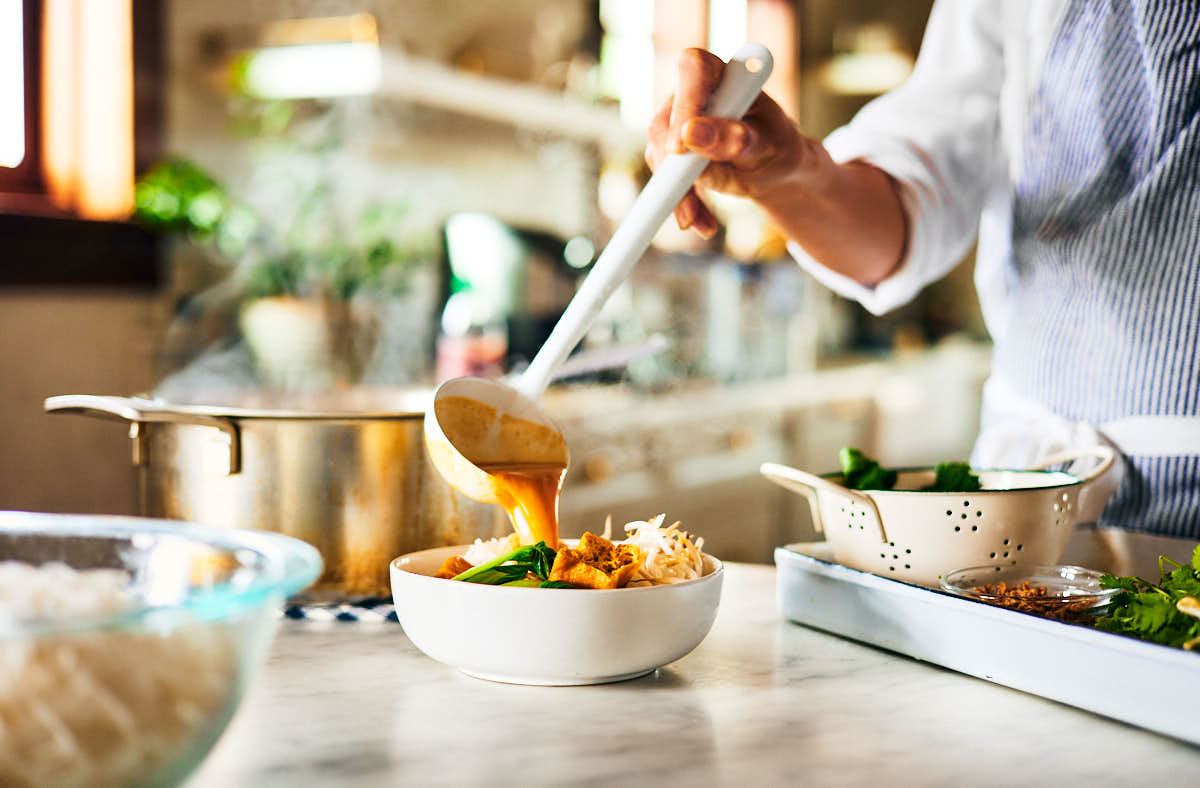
<point x="550" y="636"/>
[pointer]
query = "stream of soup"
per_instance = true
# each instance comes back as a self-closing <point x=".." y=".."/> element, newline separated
<point x="525" y="462"/>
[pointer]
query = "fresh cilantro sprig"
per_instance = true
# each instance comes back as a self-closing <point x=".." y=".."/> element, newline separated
<point x="1165" y="613"/>
<point x="525" y="566"/>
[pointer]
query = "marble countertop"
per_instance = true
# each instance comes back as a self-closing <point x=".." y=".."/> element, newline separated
<point x="762" y="701"/>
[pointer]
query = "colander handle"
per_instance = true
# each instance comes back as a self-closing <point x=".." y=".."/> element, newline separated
<point x="1105" y="456"/>
<point x="807" y="485"/>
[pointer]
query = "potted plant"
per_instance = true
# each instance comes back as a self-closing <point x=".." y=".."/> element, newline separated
<point x="311" y="305"/>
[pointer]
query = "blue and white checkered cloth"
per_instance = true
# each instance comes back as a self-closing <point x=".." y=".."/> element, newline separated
<point x="371" y="610"/>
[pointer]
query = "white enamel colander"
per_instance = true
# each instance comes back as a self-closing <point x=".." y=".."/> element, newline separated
<point x="1018" y="517"/>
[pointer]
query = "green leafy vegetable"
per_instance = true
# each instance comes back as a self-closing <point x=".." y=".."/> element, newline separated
<point x="860" y="472"/>
<point x="953" y="477"/>
<point x="524" y="582"/>
<point x="530" y="581"/>
<point x="1165" y="613"/>
<point x="514" y="568"/>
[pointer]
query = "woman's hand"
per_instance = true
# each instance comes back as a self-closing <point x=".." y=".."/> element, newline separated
<point x="847" y="216"/>
<point x="762" y="152"/>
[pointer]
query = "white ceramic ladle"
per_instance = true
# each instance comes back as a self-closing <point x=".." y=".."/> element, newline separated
<point x="741" y="81"/>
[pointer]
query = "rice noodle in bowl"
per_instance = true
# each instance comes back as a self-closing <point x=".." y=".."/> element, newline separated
<point x="670" y="554"/>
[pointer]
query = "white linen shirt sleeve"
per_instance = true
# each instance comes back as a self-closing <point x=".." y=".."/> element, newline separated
<point x="938" y="136"/>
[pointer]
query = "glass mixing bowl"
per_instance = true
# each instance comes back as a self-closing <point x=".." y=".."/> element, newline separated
<point x="140" y="694"/>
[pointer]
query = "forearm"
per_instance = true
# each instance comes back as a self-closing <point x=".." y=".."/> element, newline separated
<point x="848" y="218"/>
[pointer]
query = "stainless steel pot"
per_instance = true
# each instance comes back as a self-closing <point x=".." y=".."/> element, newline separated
<point x="350" y="477"/>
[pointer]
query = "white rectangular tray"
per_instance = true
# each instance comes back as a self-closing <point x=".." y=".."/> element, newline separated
<point x="1144" y="684"/>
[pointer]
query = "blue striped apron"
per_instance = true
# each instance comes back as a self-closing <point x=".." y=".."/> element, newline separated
<point x="1105" y="266"/>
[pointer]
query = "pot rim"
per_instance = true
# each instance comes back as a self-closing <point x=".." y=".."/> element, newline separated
<point x="148" y="409"/>
<point x="294" y="415"/>
<point x="412" y="405"/>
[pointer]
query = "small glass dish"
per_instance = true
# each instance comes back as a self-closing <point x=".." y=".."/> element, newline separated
<point x="1061" y="592"/>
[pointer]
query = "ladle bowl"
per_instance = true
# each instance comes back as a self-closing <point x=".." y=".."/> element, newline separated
<point x="463" y="473"/>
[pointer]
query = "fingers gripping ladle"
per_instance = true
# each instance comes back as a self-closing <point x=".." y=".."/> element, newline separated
<point x="490" y="439"/>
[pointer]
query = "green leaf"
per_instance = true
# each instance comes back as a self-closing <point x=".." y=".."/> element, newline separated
<point x="498" y="575"/>
<point x="1182" y="582"/>
<point x="853" y="461"/>
<point x="1196" y="558"/>
<point x="555" y="584"/>
<point x="953" y="477"/>
<point x="518" y="554"/>
<point x="512" y="566"/>
<point x="1147" y="611"/>
<point x="1127" y="583"/>
<point x="860" y="472"/>
<point x="543" y="560"/>
<point x="524" y="582"/>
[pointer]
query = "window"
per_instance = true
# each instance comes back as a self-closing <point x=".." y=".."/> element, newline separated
<point x="67" y="66"/>
<point x="87" y="106"/>
<point x="66" y="107"/>
<point x="19" y="105"/>
<point x="12" y="84"/>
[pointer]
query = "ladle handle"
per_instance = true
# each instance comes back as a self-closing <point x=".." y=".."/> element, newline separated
<point x="741" y="81"/>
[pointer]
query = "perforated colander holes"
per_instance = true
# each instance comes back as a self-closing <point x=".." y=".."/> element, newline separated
<point x="851" y="515"/>
<point x="1006" y="553"/>
<point x="950" y="514"/>
<point x="896" y="556"/>
<point x="1062" y="507"/>
<point x="978" y="513"/>
<point x="964" y="516"/>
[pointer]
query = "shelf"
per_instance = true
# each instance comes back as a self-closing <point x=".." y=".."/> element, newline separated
<point x="433" y="84"/>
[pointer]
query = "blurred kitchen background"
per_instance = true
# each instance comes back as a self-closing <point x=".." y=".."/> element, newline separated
<point x="308" y="195"/>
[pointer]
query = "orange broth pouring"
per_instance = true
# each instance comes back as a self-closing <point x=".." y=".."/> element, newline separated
<point x="529" y="494"/>
<point x="525" y="463"/>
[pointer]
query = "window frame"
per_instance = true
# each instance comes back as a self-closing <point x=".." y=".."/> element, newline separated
<point x="43" y="246"/>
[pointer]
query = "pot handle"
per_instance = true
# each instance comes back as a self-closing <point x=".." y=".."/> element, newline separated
<point x="138" y="411"/>
<point x="807" y="485"/>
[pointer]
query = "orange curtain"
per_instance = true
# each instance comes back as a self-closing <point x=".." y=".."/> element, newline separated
<point x="87" y="100"/>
